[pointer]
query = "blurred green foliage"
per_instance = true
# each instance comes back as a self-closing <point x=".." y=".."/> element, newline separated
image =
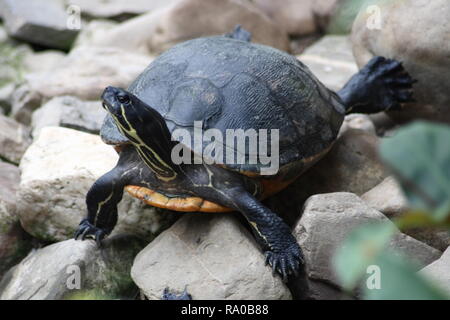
<point x="419" y="157"/>
<point x="341" y="22"/>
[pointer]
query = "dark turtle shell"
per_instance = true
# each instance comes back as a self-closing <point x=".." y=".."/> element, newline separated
<point x="233" y="84"/>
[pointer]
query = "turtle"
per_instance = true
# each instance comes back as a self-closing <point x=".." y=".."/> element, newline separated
<point x="221" y="83"/>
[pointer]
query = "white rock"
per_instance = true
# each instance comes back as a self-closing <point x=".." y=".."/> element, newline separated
<point x="213" y="256"/>
<point x="57" y="171"/>
<point x="329" y="218"/>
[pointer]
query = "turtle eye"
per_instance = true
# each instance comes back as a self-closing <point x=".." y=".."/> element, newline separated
<point x="123" y="99"/>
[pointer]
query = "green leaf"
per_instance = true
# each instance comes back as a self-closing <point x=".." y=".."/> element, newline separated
<point x="361" y="249"/>
<point x="398" y="280"/>
<point x="419" y="155"/>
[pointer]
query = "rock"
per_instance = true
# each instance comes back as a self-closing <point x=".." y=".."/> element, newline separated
<point x="319" y="290"/>
<point x="352" y="165"/>
<point x="438" y="272"/>
<point x="331" y="61"/>
<point x="69" y="112"/>
<point x="6" y="93"/>
<point x="84" y="73"/>
<point x="424" y="54"/>
<point x="384" y="125"/>
<point x="42" y="61"/>
<point x="358" y="121"/>
<point x="14" y="139"/>
<point x="11" y="70"/>
<point x="323" y="11"/>
<point x="72" y="269"/>
<point x="328" y="219"/>
<point x="14" y="243"/>
<point x="213" y="256"/>
<point x="117" y="9"/>
<point x="57" y="171"/>
<point x="42" y="22"/>
<point x="157" y="31"/>
<point x="295" y="17"/>
<point x="388" y="198"/>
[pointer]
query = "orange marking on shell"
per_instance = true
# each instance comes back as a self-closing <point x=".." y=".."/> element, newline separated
<point x="189" y="204"/>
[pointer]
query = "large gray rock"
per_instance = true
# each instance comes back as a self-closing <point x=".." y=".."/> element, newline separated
<point x="74" y="269"/>
<point x="14" y="139"/>
<point x="331" y="61"/>
<point x="352" y="165"/>
<point x="293" y="16"/>
<point x="329" y="218"/>
<point x="159" y="30"/>
<point x="69" y="112"/>
<point x="57" y="171"/>
<point x="42" y="22"/>
<point x="84" y="73"/>
<point x="439" y="272"/>
<point x="425" y="55"/>
<point x="213" y="256"/>
<point x="14" y="243"/>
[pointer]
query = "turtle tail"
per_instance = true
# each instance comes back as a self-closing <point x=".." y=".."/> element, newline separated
<point x="381" y="85"/>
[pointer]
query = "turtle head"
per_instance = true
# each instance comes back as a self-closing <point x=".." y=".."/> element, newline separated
<point x="123" y="106"/>
<point x="144" y="127"/>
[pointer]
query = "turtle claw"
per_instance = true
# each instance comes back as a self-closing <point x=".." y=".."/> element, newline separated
<point x="87" y="230"/>
<point x="285" y="263"/>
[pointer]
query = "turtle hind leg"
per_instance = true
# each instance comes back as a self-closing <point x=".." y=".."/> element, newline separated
<point x="240" y="33"/>
<point x="381" y="85"/>
<point x="167" y="295"/>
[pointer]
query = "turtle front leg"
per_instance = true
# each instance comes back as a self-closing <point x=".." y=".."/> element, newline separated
<point x="101" y="201"/>
<point x="280" y="247"/>
<point x="104" y="195"/>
